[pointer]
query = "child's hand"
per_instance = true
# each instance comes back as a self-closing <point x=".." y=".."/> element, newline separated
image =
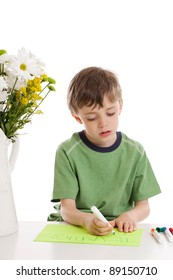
<point x="125" y="223"/>
<point x="96" y="227"/>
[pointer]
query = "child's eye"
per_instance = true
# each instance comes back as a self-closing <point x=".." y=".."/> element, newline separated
<point x="90" y="120"/>
<point x="111" y="114"/>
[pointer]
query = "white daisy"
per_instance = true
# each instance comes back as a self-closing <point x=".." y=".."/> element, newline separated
<point x="3" y="84"/>
<point x="25" y="65"/>
<point x="11" y="81"/>
<point x="3" y="95"/>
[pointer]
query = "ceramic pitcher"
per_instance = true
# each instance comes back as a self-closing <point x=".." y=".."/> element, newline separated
<point x="8" y="218"/>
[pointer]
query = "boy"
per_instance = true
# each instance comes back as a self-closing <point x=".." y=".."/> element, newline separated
<point x="101" y="166"/>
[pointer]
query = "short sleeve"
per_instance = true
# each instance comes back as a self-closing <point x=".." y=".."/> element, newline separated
<point x="145" y="183"/>
<point x="65" y="181"/>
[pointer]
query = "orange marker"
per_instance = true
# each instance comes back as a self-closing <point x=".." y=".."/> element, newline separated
<point x="157" y="235"/>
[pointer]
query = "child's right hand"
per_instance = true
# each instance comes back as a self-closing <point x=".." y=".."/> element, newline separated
<point x="72" y="215"/>
<point x="97" y="227"/>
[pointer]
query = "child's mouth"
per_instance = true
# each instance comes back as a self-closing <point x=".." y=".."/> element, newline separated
<point x="105" y="133"/>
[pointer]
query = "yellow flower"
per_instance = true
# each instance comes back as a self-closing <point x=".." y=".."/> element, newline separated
<point x="23" y="90"/>
<point x="44" y="76"/>
<point x="18" y="95"/>
<point x="33" y="89"/>
<point x="34" y="85"/>
<point x="36" y="96"/>
<point x="27" y="85"/>
<point x="24" y="101"/>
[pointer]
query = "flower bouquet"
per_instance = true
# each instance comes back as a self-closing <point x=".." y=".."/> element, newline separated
<point x="23" y="87"/>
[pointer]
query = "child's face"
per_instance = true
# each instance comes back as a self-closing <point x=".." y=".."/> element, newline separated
<point x="100" y="123"/>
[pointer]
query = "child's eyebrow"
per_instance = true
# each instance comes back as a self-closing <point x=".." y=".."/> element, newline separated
<point x="90" y="113"/>
<point x="94" y="112"/>
<point x="113" y="107"/>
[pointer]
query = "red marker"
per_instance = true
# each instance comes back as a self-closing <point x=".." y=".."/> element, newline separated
<point x="171" y="230"/>
<point x="168" y="235"/>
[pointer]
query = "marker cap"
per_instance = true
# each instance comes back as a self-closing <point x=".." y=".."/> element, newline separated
<point x="160" y="229"/>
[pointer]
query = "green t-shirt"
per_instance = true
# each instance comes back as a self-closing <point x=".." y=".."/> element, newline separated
<point x="111" y="178"/>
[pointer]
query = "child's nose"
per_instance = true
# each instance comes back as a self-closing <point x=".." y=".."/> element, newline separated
<point x="102" y="122"/>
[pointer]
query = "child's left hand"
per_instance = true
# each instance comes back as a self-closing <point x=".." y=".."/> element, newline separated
<point x="124" y="223"/>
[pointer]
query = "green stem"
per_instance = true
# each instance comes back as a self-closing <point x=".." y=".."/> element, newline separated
<point x="12" y="90"/>
<point x="44" y="88"/>
<point x="28" y="116"/>
<point x="38" y="105"/>
<point x="12" y="93"/>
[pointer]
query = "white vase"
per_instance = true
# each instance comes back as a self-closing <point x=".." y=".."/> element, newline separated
<point x="8" y="218"/>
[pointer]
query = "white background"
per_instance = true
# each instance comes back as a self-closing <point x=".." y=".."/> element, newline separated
<point x="132" y="38"/>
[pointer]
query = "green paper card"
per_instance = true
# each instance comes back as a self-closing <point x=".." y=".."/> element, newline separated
<point x="62" y="233"/>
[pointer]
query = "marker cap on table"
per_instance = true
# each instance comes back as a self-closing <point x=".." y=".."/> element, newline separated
<point x="100" y="216"/>
<point x="157" y="235"/>
<point x="160" y="229"/>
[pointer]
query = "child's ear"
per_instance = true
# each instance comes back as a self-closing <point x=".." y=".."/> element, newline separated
<point x="77" y="118"/>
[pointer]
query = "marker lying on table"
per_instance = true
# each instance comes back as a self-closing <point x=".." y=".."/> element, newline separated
<point x="168" y="235"/>
<point x="167" y="232"/>
<point x="99" y="215"/>
<point x="157" y="235"/>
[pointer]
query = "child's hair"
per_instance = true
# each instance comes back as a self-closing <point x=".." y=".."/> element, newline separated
<point x="90" y="85"/>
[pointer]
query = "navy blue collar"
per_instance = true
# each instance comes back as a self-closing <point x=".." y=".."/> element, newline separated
<point x="101" y="149"/>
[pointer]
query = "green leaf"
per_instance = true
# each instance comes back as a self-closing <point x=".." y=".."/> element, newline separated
<point x="2" y="52"/>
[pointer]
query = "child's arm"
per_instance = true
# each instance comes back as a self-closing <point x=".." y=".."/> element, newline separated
<point x="127" y="221"/>
<point x="72" y="215"/>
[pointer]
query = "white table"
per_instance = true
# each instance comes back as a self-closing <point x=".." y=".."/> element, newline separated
<point x="20" y="246"/>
